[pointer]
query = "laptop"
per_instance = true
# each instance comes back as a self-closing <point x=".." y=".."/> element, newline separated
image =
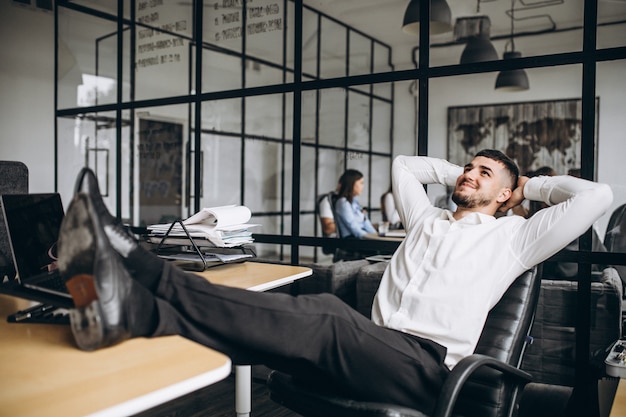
<point x="33" y="222"/>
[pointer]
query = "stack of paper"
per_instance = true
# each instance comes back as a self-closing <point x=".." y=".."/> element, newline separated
<point x="224" y="226"/>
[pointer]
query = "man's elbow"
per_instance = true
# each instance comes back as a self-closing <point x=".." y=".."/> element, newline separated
<point x="600" y="198"/>
<point x="398" y="161"/>
<point x="604" y="196"/>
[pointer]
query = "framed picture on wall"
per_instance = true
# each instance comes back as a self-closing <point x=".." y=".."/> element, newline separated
<point x="160" y="170"/>
<point x="535" y="134"/>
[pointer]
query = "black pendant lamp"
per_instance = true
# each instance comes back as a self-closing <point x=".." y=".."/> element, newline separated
<point x="512" y="80"/>
<point x="440" y="17"/>
<point x="476" y="32"/>
<point x="517" y="79"/>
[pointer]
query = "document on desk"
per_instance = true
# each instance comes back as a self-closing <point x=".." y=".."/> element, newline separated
<point x="220" y="216"/>
<point x="223" y="226"/>
<point x="192" y="261"/>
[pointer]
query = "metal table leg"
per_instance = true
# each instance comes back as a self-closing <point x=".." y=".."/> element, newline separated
<point x="243" y="390"/>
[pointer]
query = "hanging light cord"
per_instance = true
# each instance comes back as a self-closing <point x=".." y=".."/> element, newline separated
<point x="512" y="25"/>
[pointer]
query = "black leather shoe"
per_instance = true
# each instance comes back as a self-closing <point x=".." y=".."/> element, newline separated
<point x="106" y="298"/>
<point x="120" y="238"/>
<point x="87" y="183"/>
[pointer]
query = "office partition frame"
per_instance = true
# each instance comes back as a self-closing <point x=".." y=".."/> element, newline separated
<point x="122" y="113"/>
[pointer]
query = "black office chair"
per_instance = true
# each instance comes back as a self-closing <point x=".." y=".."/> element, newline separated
<point x="485" y="384"/>
<point x="615" y="237"/>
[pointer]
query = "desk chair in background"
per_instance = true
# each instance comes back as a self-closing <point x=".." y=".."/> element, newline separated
<point x="487" y="383"/>
<point x="615" y="241"/>
<point x="615" y="237"/>
<point x="13" y="180"/>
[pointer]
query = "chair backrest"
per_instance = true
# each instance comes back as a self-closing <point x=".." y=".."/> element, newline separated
<point x="504" y="338"/>
<point x="13" y="180"/>
<point x="615" y="237"/>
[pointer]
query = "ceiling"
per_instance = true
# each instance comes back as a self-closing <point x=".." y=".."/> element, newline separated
<point x="382" y="19"/>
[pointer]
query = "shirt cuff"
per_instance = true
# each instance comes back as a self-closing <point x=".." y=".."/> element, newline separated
<point x="532" y="188"/>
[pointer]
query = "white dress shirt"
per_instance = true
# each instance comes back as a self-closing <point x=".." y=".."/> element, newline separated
<point x="447" y="274"/>
<point x="391" y="214"/>
<point x="325" y="208"/>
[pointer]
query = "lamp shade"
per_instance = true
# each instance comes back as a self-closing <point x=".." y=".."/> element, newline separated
<point x="512" y="80"/>
<point x="478" y="49"/>
<point x="440" y="17"/>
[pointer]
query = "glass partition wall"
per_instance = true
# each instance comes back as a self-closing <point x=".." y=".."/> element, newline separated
<point x="192" y="124"/>
<point x="184" y="105"/>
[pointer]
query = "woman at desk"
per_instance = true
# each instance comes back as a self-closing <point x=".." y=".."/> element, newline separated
<point x="351" y="219"/>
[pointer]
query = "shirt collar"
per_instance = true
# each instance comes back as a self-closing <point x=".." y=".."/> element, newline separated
<point x="473" y="218"/>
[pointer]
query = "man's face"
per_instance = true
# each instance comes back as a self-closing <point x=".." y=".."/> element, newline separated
<point x="481" y="183"/>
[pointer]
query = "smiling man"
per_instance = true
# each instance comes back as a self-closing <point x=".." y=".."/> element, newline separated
<point x="428" y="313"/>
<point x="453" y="267"/>
<point x="489" y="178"/>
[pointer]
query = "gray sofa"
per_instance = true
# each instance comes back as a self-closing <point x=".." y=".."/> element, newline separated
<point x="366" y="286"/>
<point x="339" y="278"/>
<point x="551" y="356"/>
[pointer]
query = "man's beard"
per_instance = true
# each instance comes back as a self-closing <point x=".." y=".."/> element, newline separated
<point x="473" y="201"/>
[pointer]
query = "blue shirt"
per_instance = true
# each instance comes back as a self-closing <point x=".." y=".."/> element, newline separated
<point x="351" y="220"/>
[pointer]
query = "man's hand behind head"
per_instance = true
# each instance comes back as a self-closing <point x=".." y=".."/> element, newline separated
<point x="517" y="196"/>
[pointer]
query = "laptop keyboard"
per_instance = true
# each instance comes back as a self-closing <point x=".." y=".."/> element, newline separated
<point x="52" y="282"/>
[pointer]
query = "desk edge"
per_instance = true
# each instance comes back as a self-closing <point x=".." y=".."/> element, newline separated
<point x="163" y="395"/>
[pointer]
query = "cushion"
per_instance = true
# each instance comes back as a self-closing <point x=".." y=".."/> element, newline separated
<point x="366" y="286"/>
<point x="338" y="278"/>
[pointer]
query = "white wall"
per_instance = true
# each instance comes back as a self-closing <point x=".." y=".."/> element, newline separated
<point x="27" y="91"/>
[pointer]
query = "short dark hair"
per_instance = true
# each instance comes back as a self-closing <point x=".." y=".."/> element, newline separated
<point x="347" y="181"/>
<point x="508" y="163"/>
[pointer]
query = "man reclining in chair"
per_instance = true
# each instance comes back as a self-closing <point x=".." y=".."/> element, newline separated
<point x="428" y="313"/>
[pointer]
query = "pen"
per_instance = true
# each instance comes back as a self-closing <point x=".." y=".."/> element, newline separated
<point x="33" y="312"/>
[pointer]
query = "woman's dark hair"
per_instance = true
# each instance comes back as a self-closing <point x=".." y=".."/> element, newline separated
<point x="347" y="181"/>
<point x="508" y="163"/>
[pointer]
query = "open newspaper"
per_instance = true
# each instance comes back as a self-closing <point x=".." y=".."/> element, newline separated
<point x="223" y="226"/>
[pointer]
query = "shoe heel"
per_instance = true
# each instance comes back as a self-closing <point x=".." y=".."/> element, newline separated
<point x="86" y="324"/>
<point x="82" y="288"/>
<point x="85" y="317"/>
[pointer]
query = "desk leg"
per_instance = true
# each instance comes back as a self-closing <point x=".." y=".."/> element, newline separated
<point x="243" y="390"/>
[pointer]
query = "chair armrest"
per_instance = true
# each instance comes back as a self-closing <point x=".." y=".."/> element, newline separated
<point x="463" y="370"/>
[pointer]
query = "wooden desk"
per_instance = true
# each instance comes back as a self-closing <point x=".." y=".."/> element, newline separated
<point x="254" y="276"/>
<point x="619" y="402"/>
<point x="44" y="373"/>
<point x="376" y="236"/>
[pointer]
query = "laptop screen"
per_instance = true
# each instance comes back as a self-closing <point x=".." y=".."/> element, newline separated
<point x="33" y="222"/>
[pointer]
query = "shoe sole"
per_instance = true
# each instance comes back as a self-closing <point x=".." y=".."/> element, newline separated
<point x="76" y="260"/>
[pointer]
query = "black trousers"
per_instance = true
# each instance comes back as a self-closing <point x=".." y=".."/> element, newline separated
<point x="312" y="337"/>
